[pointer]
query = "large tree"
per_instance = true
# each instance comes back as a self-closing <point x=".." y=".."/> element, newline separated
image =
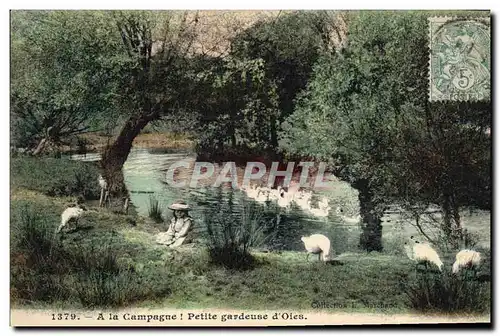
<point x="154" y="77"/>
<point x="366" y="112"/>
<point x="60" y="75"/>
<point x="255" y="85"/>
<point x="76" y="69"/>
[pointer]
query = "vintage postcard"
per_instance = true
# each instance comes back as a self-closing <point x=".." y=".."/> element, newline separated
<point x="250" y="168"/>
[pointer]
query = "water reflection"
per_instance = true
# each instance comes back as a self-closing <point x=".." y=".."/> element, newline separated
<point x="144" y="173"/>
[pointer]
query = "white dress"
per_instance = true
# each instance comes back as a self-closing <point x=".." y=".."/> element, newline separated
<point x="177" y="232"/>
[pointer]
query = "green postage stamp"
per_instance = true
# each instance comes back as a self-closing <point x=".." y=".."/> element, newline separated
<point x="460" y="59"/>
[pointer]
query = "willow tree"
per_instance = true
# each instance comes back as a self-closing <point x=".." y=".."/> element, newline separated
<point x="350" y="113"/>
<point x="153" y="76"/>
<point x="367" y="113"/>
<point x="75" y="69"/>
<point x="130" y="67"/>
<point x="60" y="84"/>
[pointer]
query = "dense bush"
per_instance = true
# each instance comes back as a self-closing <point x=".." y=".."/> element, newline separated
<point x="56" y="177"/>
<point x="449" y="293"/>
<point x="47" y="270"/>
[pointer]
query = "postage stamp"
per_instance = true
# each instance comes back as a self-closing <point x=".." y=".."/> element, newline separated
<point x="460" y="59"/>
<point x="248" y="168"/>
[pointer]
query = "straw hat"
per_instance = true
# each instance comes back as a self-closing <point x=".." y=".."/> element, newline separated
<point x="179" y="205"/>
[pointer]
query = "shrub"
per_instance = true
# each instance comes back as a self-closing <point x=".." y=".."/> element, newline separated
<point x="56" y="176"/>
<point x="32" y="234"/>
<point x="154" y="210"/>
<point x="448" y="293"/>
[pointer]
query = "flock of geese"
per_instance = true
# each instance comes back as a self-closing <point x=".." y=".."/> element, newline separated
<point x="285" y="197"/>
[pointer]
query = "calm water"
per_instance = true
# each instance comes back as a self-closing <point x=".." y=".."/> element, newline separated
<point x="145" y="175"/>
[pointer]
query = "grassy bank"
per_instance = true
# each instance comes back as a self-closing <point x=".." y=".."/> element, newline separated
<point x="112" y="260"/>
<point x="95" y="142"/>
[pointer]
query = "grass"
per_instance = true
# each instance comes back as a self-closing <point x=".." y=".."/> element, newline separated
<point x="140" y="273"/>
<point x="154" y="210"/>
<point x="230" y="235"/>
<point x="86" y="270"/>
<point x="363" y="282"/>
<point x="110" y="263"/>
<point x="55" y="176"/>
<point x="449" y="293"/>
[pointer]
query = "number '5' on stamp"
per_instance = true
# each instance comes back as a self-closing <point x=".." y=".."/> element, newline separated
<point x="460" y="59"/>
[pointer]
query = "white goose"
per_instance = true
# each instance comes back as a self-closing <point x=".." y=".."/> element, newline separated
<point x="323" y="210"/>
<point x="103" y="184"/>
<point x="466" y="259"/>
<point x="317" y="244"/>
<point x="284" y="197"/>
<point x="303" y="200"/>
<point x="274" y="194"/>
<point x="422" y="253"/>
<point x="262" y="194"/>
<point x="251" y="191"/>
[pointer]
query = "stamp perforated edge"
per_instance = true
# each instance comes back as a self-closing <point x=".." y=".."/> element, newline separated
<point x="445" y="19"/>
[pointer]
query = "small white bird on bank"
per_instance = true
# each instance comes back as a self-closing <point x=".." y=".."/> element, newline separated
<point x="102" y="182"/>
<point x="70" y="214"/>
<point x="423" y="253"/>
<point x="317" y="244"/>
<point x="466" y="259"/>
<point x="104" y="191"/>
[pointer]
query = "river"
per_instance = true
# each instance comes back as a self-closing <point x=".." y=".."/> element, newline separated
<point x="145" y="176"/>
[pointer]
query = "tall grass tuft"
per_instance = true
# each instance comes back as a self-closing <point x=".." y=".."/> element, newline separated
<point x="154" y="210"/>
<point x="34" y="252"/>
<point x="448" y="293"/>
<point x="231" y="235"/>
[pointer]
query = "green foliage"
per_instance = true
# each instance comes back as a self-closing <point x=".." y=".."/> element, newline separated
<point x="447" y="293"/>
<point x="230" y="235"/>
<point x="366" y="112"/>
<point x="253" y="89"/>
<point x="72" y="70"/>
<point x="287" y="47"/>
<point x="151" y="276"/>
<point x="63" y="64"/>
<point x="46" y="269"/>
<point x="154" y="210"/>
<point x="56" y="177"/>
<point x="352" y="109"/>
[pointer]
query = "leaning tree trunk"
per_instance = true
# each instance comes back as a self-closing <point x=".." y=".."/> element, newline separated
<point x="451" y="224"/>
<point x="117" y="153"/>
<point x="371" y="223"/>
<point x="274" y="132"/>
<point x="40" y="147"/>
